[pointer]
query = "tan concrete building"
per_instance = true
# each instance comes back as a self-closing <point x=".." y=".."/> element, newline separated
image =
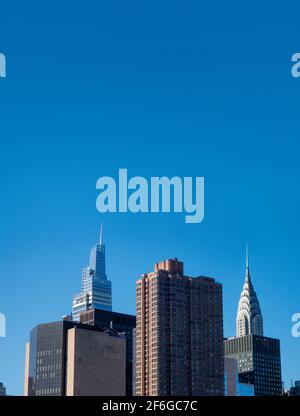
<point x="179" y="333"/>
<point x="96" y="364"/>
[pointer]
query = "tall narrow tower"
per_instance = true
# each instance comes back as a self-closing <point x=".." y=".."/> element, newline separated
<point x="249" y="319"/>
<point x="179" y="333"/>
<point x="258" y="356"/>
<point x="95" y="287"/>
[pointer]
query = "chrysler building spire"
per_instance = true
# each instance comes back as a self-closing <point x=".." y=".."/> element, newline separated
<point x="249" y="319"/>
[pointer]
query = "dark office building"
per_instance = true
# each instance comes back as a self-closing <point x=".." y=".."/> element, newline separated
<point x="259" y="362"/>
<point x="2" y="390"/>
<point x="179" y="333"/>
<point x="295" y="389"/>
<point x="51" y="365"/>
<point x="120" y="322"/>
<point x="45" y="363"/>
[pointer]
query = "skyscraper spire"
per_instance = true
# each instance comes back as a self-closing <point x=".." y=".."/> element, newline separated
<point x="249" y="318"/>
<point x="247" y="276"/>
<point x="101" y="234"/>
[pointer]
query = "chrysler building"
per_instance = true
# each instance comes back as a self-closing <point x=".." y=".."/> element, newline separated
<point x="249" y="319"/>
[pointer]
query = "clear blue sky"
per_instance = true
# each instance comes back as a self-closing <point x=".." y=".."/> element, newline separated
<point x="160" y="88"/>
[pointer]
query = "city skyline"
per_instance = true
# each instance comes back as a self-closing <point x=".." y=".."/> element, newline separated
<point x="168" y="288"/>
<point x="197" y="90"/>
<point x="240" y="302"/>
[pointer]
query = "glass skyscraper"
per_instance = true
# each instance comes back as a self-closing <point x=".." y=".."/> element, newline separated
<point x="95" y="287"/>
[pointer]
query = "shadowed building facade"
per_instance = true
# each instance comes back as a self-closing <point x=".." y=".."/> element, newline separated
<point x="259" y="362"/>
<point x="295" y="389"/>
<point x="179" y="333"/>
<point x="96" y="364"/>
<point x="123" y="324"/>
<point x="2" y="390"/>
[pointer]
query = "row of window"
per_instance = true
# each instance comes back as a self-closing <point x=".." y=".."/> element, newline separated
<point x="49" y="391"/>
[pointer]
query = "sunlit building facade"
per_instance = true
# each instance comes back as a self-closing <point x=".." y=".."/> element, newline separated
<point x="179" y="333"/>
<point x="249" y="320"/>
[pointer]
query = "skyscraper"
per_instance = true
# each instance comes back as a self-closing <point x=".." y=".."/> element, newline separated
<point x="258" y="356"/>
<point x="249" y="319"/>
<point x="179" y="333"/>
<point x="44" y="362"/>
<point x="95" y="287"/>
